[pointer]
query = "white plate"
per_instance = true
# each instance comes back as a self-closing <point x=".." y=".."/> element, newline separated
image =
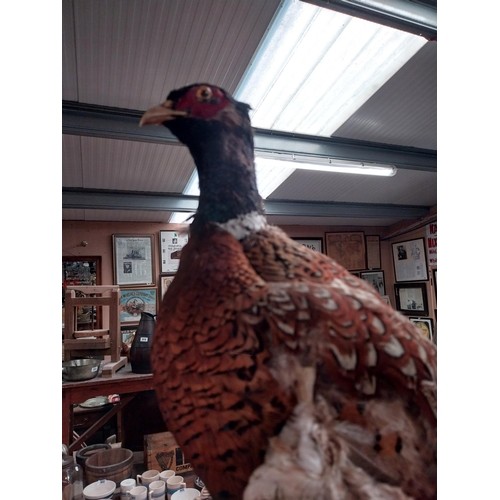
<point x="93" y="402"/>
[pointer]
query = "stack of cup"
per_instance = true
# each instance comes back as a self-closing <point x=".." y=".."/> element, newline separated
<point x="126" y="485"/>
<point x="174" y="483"/>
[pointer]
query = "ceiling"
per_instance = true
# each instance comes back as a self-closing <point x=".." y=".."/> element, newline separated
<point x="122" y="57"/>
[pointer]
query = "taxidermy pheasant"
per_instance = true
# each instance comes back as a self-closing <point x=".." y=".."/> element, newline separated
<point x="280" y="374"/>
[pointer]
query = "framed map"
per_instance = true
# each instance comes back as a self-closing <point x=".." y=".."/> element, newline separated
<point x="348" y="249"/>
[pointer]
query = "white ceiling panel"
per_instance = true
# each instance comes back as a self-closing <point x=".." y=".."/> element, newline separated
<point x="410" y="187"/>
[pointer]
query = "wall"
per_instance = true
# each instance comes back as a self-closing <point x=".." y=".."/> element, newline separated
<point x="98" y="235"/>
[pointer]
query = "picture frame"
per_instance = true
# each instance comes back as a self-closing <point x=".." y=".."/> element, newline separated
<point x="165" y="282"/>
<point x="376" y="278"/>
<point x="373" y="260"/>
<point x="134" y="301"/>
<point x="411" y="298"/>
<point x="133" y="260"/>
<point x="410" y="261"/>
<point x="171" y="244"/>
<point x="347" y="248"/>
<point x="311" y="243"/>
<point x="426" y="325"/>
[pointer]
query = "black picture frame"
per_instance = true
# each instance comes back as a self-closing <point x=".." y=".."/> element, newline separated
<point x="411" y="298"/>
<point x="410" y="261"/>
<point x="311" y="243"/>
<point x="426" y="325"/>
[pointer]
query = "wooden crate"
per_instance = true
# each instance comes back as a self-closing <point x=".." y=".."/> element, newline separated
<point x="161" y="452"/>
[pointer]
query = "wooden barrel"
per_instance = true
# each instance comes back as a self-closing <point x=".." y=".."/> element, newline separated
<point x="114" y="464"/>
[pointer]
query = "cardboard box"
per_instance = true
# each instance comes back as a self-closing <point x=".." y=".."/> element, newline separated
<point x="161" y="452"/>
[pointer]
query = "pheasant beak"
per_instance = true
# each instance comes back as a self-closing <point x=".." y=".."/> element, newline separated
<point x="159" y="114"/>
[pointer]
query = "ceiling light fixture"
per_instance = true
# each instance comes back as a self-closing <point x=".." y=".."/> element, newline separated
<point x="323" y="164"/>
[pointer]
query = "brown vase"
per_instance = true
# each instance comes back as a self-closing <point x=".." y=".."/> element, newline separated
<point x="140" y="352"/>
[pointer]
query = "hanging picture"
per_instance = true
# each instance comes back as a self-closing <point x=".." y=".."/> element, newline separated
<point x="171" y="243"/>
<point x="376" y="278"/>
<point x="425" y="325"/>
<point x="133" y="302"/>
<point x="165" y="282"/>
<point x="348" y="249"/>
<point x="410" y="262"/>
<point x="312" y="243"/>
<point x="411" y="298"/>
<point x="373" y="252"/>
<point x="133" y="260"/>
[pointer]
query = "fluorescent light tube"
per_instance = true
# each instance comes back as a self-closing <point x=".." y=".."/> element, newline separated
<point x="323" y="164"/>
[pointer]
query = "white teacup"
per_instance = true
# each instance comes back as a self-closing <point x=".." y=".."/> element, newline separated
<point x="138" y="493"/>
<point x="148" y="477"/>
<point x="126" y="485"/>
<point x="165" y="474"/>
<point x="187" y="494"/>
<point x="174" y="483"/>
<point x="157" y="490"/>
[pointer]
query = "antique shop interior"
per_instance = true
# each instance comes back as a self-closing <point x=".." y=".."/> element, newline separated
<point x="343" y="108"/>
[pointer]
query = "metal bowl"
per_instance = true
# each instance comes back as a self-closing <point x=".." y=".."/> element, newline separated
<point x="80" y="369"/>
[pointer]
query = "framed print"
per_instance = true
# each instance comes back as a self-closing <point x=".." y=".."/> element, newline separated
<point x="135" y="301"/>
<point x="425" y="325"/>
<point x="376" y="278"/>
<point x="373" y="252"/>
<point x="128" y="332"/>
<point x="133" y="260"/>
<point x="171" y="243"/>
<point x="165" y="282"/>
<point x="348" y="249"/>
<point x="411" y="298"/>
<point x="312" y="243"/>
<point x="410" y="263"/>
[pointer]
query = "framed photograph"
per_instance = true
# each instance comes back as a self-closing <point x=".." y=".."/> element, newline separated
<point x="171" y="243"/>
<point x="373" y="252"/>
<point x="312" y="243"/>
<point x="165" y="282"/>
<point x="425" y="324"/>
<point x="128" y="332"/>
<point x="411" y="298"/>
<point x="376" y="278"/>
<point x="410" y="262"/>
<point x="348" y="249"/>
<point x="133" y="260"/>
<point x="135" y="301"/>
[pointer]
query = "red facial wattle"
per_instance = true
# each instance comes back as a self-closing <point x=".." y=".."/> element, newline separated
<point x="202" y="102"/>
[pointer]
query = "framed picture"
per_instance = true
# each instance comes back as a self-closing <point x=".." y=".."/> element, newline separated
<point x="425" y="324"/>
<point x="373" y="252"/>
<point x="435" y="278"/>
<point x="128" y="332"/>
<point x="135" y="301"/>
<point x="312" y="243"/>
<point x="376" y="278"/>
<point x="165" y="282"/>
<point x="133" y="260"/>
<point x="411" y="298"/>
<point x="410" y="262"/>
<point x="348" y="249"/>
<point x="171" y="243"/>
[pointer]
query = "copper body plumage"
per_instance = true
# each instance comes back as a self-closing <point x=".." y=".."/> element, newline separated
<point x="280" y="374"/>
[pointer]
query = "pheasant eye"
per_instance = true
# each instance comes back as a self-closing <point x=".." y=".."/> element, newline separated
<point x="204" y="93"/>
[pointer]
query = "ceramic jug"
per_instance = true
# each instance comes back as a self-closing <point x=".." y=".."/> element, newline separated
<point x="140" y="352"/>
